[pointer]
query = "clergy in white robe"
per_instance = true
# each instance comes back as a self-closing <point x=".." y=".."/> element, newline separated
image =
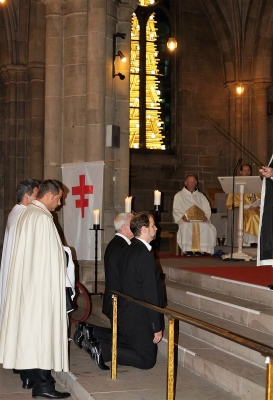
<point x="265" y="241"/>
<point x="251" y="218"/>
<point x="193" y="236"/>
<point x="26" y="191"/>
<point x="12" y="220"/>
<point x="34" y="328"/>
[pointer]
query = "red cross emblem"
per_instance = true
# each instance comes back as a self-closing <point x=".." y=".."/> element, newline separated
<point x="81" y="191"/>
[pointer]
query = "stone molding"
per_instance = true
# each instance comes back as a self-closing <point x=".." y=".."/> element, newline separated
<point x="37" y="71"/>
<point x="53" y="6"/>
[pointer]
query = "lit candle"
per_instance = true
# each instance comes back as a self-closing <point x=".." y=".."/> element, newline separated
<point x="157" y="198"/>
<point x="96" y="217"/>
<point x="128" y="204"/>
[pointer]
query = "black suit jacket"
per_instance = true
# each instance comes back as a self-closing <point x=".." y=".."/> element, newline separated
<point x="140" y="278"/>
<point x="112" y="256"/>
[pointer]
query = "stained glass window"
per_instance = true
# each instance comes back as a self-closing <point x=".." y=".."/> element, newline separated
<point x="150" y="78"/>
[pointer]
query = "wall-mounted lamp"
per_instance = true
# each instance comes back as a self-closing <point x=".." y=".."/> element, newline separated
<point x="121" y="76"/>
<point x="172" y="44"/>
<point x="240" y="89"/>
<point x="121" y="56"/>
<point x="118" y="54"/>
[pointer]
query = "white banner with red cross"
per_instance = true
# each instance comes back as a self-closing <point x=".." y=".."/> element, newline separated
<point x="83" y="185"/>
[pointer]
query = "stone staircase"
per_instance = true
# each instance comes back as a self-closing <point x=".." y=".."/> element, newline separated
<point x="239" y="308"/>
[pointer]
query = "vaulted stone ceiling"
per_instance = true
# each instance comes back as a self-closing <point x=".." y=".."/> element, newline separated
<point x="244" y="30"/>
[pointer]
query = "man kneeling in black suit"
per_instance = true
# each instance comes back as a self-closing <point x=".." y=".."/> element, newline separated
<point x="139" y="328"/>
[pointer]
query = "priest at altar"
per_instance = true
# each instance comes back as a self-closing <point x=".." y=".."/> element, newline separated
<point x="191" y="211"/>
<point x="251" y="217"/>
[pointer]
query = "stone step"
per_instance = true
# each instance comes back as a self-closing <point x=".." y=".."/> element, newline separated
<point x="244" y="312"/>
<point x="86" y="382"/>
<point x="215" y="340"/>
<point x="230" y="366"/>
<point x="207" y="361"/>
<point x="231" y="373"/>
<point x="257" y="294"/>
<point x="218" y="341"/>
<point x="198" y="333"/>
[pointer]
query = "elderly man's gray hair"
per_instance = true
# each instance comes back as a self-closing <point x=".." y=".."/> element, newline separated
<point x="122" y="219"/>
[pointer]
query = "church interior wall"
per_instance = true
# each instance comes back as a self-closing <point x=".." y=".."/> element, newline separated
<point x="57" y="95"/>
<point x="198" y="91"/>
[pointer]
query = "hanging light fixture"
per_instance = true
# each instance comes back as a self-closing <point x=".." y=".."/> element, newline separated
<point x="240" y="88"/>
<point x="172" y="44"/>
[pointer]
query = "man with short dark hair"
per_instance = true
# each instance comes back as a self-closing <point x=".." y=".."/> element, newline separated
<point x="34" y="325"/>
<point x="140" y="329"/>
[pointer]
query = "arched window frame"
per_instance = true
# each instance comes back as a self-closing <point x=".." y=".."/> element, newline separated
<point x="143" y="13"/>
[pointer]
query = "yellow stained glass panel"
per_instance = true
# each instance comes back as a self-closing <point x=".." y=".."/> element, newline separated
<point x="154" y="123"/>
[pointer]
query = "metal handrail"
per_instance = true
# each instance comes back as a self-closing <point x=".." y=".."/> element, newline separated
<point x="172" y="315"/>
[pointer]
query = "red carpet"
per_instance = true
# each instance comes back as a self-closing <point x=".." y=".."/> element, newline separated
<point x="262" y="276"/>
<point x="173" y="256"/>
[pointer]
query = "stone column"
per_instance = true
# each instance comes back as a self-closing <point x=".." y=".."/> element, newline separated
<point x="21" y="120"/>
<point x="9" y="142"/>
<point x="53" y="88"/>
<point x="248" y="123"/>
<point x="110" y="166"/>
<point x="95" y="101"/>
<point x="74" y="90"/>
<point x="235" y="125"/>
<point x="15" y="133"/>
<point x="260" y="120"/>
<point x="117" y="113"/>
<point x="122" y="106"/>
<point x="95" y="87"/>
<point x="36" y="67"/>
<point x="2" y="154"/>
<point x="36" y="139"/>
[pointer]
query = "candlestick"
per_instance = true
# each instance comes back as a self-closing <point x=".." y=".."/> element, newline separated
<point x="157" y="198"/>
<point x="128" y="204"/>
<point x="96" y="217"/>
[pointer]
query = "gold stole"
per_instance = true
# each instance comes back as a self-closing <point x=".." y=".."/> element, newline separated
<point x="195" y="244"/>
<point x="195" y="214"/>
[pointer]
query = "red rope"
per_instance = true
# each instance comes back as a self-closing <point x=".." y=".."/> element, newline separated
<point x="87" y="302"/>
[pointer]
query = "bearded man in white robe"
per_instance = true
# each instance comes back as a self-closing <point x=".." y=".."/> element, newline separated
<point x="191" y="211"/>
<point x="26" y="191"/>
<point x="34" y="326"/>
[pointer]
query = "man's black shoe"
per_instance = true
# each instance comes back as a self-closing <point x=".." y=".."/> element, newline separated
<point x="197" y="253"/>
<point x="97" y="356"/>
<point x="27" y="383"/>
<point x="16" y="371"/>
<point x="88" y="338"/>
<point x="78" y="335"/>
<point x="51" y="395"/>
<point x="88" y="333"/>
<point x="189" y="253"/>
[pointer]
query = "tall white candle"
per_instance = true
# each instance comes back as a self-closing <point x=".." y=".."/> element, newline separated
<point x="157" y="198"/>
<point x="128" y="204"/>
<point x="96" y="217"/>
